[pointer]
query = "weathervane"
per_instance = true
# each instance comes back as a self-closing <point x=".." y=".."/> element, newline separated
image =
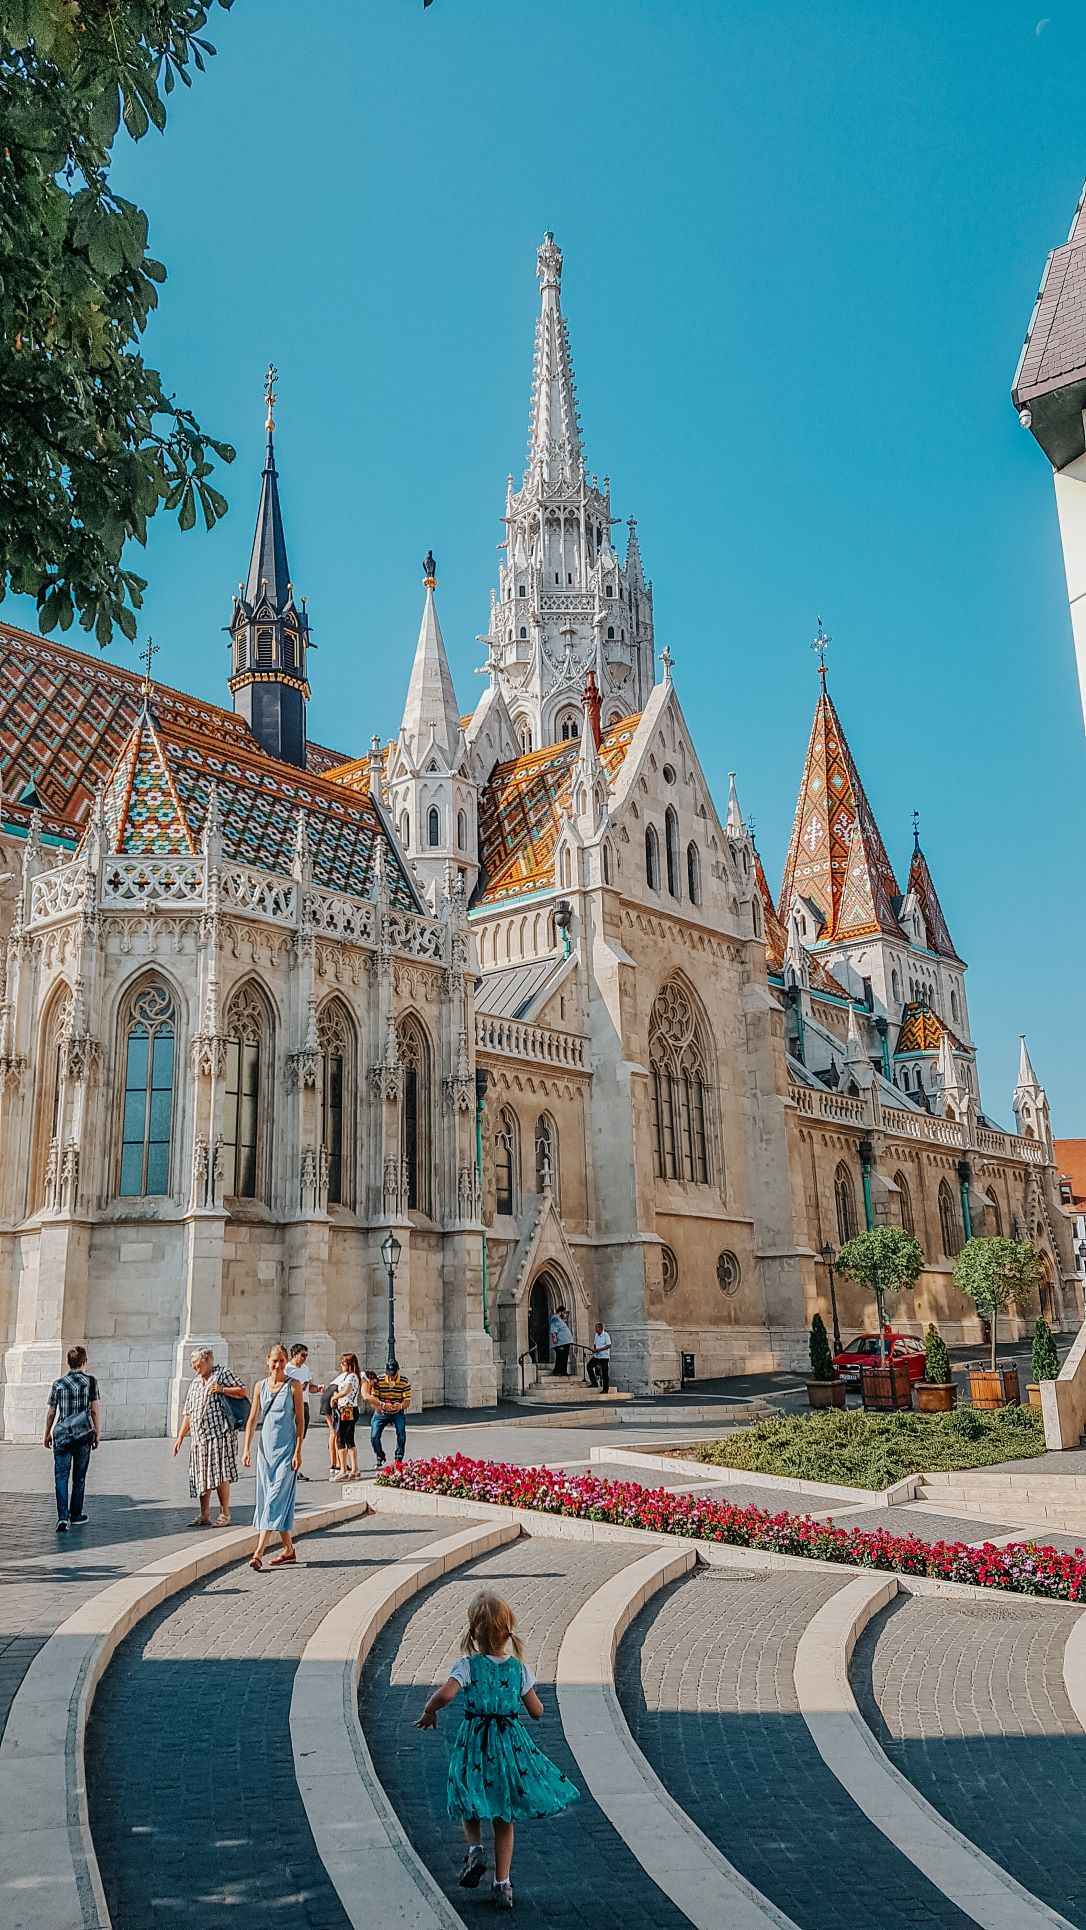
<point x="916" y="830"/>
<point x="270" y="395"/>
<point x="147" y="656"/>
<point x="429" y="570"/>
<point x="821" y="643"/>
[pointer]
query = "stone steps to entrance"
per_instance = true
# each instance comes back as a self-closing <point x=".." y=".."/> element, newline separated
<point x="560" y="1390"/>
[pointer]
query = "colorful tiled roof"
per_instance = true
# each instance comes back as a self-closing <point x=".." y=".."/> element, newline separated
<point x="776" y="941"/>
<point x="836" y="856"/>
<point x="920" y="882"/>
<point x="522" y="808"/>
<point x="66" y="717"/>
<point x="922" y="1030"/>
<point x="156" y="802"/>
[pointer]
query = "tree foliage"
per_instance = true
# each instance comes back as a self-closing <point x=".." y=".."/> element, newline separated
<point x="820" y="1352"/>
<point x="885" y="1259"/>
<point x="91" y="443"/>
<point x="1046" y="1360"/>
<point x="936" y="1358"/>
<point x="994" y="1271"/>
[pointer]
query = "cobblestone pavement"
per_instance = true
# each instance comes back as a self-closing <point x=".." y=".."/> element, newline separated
<point x="207" y="1825"/>
<point x="968" y="1701"/>
<point x="575" y="1869"/>
<point x="705" y="1679"/>
<point x="927" y="1526"/>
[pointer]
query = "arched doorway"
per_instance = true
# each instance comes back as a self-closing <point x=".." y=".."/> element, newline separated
<point x="1048" y="1305"/>
<point x="541" y="1304"/>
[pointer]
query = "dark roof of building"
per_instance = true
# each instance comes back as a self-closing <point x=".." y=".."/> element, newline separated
<point x="1050" y="379"/>
<point x="268" y="567"/>
<point x="511" y="991"/>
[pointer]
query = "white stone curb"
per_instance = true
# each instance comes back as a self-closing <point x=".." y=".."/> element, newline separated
<point x="702" y="1471"/>
<point x="670" y="1848"/>
<point x="1074" y="1670"/>
<point x="948" y="1859"/>
<point x="49" y="1877"/>
<point x="359" y="1838"/>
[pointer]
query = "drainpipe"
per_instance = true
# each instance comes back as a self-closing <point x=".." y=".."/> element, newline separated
<point x="882" y="1029"/>
<point x="480" y="1101"/>
<point x="563" y="918"/>
<point x="867" y="1160"/>
<point x="965" y="1174"/>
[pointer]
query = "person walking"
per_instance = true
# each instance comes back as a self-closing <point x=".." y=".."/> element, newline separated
<point x="390" y="1397"/>
<point x="561" y="1339"/>
<point x="599" y="1365"/>
<point x="212" y="1433"/>
<point x="73" y="1429"/>
<point x="298" y="1369"/>
<point x="346" y="1395"/>
<point x="277" y="1411"/>
<point x="496" y="1772"/>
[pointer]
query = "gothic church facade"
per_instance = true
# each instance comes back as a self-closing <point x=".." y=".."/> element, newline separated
<point x="509" y="986"/>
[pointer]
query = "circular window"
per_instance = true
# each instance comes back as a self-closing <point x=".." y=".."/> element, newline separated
<point x="728" y="1273"/>
<point x="668" y="773"/>
<point x="671" y="1269"/>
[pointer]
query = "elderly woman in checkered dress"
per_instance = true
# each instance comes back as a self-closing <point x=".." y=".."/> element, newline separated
<point x="213" y="1454"/>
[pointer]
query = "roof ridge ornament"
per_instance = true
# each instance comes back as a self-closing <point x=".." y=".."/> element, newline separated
<point x="271" y="395"/>
<point x="548" y="262"/>
<point x="147" y="656"/>
<point x="821" y="644"/>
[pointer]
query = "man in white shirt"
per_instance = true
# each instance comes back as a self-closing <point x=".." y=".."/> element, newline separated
<point x="297" y="1368"/>
<point x="599" y="1365"/>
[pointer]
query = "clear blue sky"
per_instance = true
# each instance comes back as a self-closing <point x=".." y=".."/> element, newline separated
<point x="802" y="246"/>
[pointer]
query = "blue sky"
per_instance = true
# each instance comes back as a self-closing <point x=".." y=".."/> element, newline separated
<point x="801" y="249"/>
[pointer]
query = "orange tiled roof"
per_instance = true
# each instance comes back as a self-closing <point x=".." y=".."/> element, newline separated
<point x="776" y="941"/>
<point x="923" y="885"/>
<point x="836" y="856"/>
<point x="1070" y="1158"/>
<point x="521" y="811"/>
<point x="922" y="1030"/>
<point x="66" y="716"/>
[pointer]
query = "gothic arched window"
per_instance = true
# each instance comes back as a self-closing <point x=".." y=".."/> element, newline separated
<point x="415" y="1139"/>
<point x="905" y="1203"/>
<point x="844" y="1194"/>
<point x="461" y="830"/>
<point x="524" y="734"/>
<point x="506" y="1162"/>
<point x="895" y="986"/>
<point x="652" y="858"/>
<point x="149" y="1030"/>
<point x="671" y="849"/>
<point x="335" y="1032"/>
<point x="244" y="1129"/>
<point x="950" y="1226"/>
<point x="693" y="873"/>
<point x="405" y="831"/>
<point x="567" y="726"/>
<point x="48" y="1123"/>
<point x="433" y="826"/>
<point x="680" y="1063"/>
<point x="264" y="646"/>
<point x="546" y="1155"/>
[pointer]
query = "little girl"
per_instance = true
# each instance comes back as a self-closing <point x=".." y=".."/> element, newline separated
<point x="495" y="1770"/>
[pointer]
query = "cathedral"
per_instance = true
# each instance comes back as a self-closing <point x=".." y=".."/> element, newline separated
<point x="509" y="987"/>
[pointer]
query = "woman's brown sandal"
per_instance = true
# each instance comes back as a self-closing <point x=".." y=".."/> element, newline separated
<point x="282" y="1561"/>
<point x="256" y="1562"/>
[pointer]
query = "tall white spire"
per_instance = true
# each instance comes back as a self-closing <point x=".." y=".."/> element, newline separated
<point x="733" y="823"/>
<point x="1026" y="1074"/>
<point x="1030" y="1099"/>
<point x="430" y="715"/>
<point x="554" y="432"/>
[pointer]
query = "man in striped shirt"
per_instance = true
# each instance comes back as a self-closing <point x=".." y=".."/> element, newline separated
<point x="389" y="1394"/>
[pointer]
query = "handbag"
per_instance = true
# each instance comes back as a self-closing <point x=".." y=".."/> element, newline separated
<point x="75" y="1430"/>
<point x="237" y="1412"/>
<point x="347" y="1413"/>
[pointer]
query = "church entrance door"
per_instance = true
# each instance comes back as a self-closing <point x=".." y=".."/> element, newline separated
<point x="540" y="1305"/>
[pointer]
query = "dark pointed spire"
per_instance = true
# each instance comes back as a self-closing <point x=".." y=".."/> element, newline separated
<point x="268" y="563"/>
<point x="269" y="632"/>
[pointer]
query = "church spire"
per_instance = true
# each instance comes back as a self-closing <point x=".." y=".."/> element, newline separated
<point x="554" y="433"/>
<point x="922" y="887"/>
<point x="430" y="715"/>
<point x="836" y="857"/>
<point x="269" y="633"/>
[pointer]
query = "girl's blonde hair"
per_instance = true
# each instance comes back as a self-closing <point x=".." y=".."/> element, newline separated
<point x="491" y="1624"/>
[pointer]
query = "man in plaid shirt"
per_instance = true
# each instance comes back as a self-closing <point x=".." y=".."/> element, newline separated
<point x="72" y="1430"/>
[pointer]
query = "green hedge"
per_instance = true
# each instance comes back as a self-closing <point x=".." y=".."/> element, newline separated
<point x="872" y="1450"/>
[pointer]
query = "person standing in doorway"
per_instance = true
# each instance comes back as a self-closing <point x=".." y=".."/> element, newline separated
<point x="561" y="1340"/>
<point x="298" y="1369"/>
<point x="599" y="1365"/>
<point x="73" y="1429"/>
<point x="389" y="1394"/>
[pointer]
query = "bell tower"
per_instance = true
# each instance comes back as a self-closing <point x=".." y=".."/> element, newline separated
<point x="269" y="631"/>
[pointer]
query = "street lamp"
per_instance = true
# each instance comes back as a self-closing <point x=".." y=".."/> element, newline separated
<point x="390" y="1254"/>
<point x="829" y="1257"/>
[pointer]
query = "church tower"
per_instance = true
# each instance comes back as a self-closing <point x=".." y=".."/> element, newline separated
<point x="269" y="633"/>
<point x="432" y="795"/>
<point x="566" y="604"/>
<point x="1031" y="1100"/>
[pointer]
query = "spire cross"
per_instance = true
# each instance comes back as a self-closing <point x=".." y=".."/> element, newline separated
<point x="147" y="656"/>
<point x="821" y="643"/>
<point x="271" y="395"/>
<point x="916" y="830"/>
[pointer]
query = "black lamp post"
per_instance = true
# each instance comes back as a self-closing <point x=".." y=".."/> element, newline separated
<point x="829" y="1257"/>
<point x="390" y="1254"/>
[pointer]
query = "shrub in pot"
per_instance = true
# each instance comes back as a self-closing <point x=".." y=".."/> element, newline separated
<point x="936" y="1393"/>
<point x="1046" y="1361"/>
<point x="823" y="1388"/>
<point x="991" y="1273"/>
<point x="885" y="1260"/>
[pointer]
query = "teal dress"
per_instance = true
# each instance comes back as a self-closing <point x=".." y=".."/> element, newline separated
<point x="276" y="1480"/>
<point x="495" y="1768"/>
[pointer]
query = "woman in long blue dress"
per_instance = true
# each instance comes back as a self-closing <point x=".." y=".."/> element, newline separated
<point x="278" y="1410"/>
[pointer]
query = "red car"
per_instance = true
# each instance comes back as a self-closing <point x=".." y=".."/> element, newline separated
<point x="864" y="1352"/>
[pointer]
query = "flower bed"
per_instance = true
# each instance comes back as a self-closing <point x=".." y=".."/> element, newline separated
<point x="861" y="1450"/>
<point x="1026" y="1568"/>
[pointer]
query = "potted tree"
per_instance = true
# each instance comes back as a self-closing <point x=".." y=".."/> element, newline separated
<point x="823" y="1387"/>
<point x="991" y="1273"/>
<point x="1046" y="1361"/>
<point x="885" y="1260"/>
<point x="936" y="1393"/>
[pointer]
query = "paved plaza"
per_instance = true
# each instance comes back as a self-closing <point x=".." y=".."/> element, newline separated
<point x="709" y="1795"/>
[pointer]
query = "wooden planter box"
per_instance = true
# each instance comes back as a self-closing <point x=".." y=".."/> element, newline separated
<point x="826" y="1393"/>
<point x="1033" y="1394"/>
<point x="935" y="1396"/>
<point x="888" y="1387"/>
<point x="991" y="1390"/>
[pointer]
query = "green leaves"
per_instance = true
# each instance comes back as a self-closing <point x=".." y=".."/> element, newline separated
<point x="92" y="444"/>
<point x="886" y="1259"/>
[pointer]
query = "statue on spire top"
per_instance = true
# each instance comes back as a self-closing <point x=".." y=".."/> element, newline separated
<point x="271" y="395"/>
<point x="429" y="570"/>
<point x="548" y="261"/>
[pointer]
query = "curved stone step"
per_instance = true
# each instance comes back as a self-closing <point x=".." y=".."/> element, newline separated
<point x="575" y="1867"/>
